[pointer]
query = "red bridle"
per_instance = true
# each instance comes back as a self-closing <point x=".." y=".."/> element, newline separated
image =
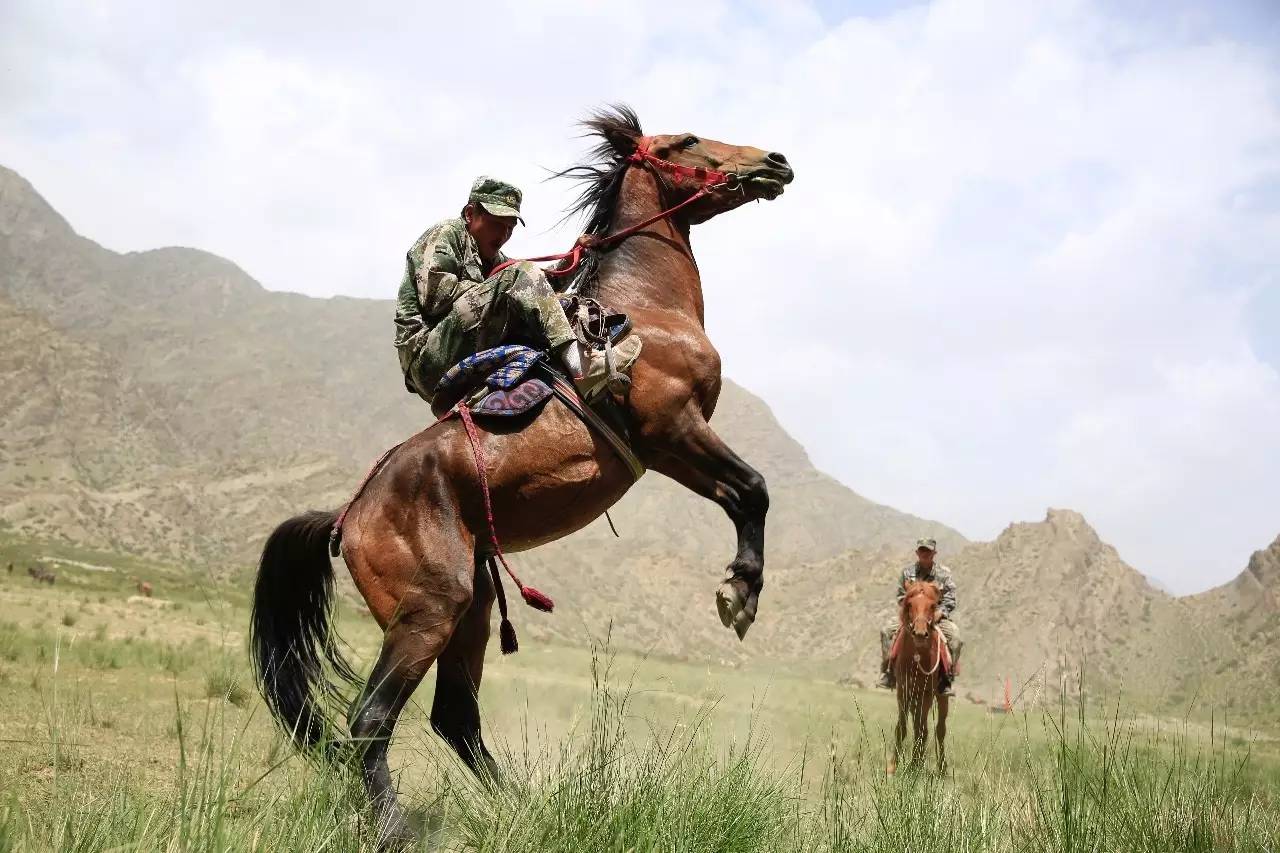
<point x="709" y="179"/>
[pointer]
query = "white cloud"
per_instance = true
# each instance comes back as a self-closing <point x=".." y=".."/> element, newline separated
<point x="1023" y="251"/>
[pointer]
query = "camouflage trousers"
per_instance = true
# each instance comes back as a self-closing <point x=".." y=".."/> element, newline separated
<point x="950" y="633"/>
<point x="515" y="306"/>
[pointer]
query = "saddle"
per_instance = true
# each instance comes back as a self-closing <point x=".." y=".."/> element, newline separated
<point x="501" y="381"/>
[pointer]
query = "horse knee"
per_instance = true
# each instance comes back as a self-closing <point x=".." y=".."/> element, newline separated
<point x="755" y="494"/>
<point x="373" y="716"/>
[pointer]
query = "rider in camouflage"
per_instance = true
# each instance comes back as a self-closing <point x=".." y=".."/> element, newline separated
<point x="925" y="569"/>
<point x="450" y="305"/>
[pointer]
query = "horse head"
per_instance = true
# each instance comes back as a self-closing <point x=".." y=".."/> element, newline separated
<point x="686" y="164"/>
<point x="920" y="610"/>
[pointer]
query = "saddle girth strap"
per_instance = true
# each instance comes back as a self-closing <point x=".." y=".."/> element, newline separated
<point x="567" y="394"/>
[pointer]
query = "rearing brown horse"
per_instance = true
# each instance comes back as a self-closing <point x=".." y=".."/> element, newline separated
<point x="416" y="538"/>
<point x="917" y="665"/>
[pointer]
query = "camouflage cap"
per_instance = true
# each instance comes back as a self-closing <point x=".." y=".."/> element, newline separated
<point x="928" y="544"/>
<point x="497" y="197"/>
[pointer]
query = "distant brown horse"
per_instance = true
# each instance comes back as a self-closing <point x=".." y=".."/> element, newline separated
<point x="144" y="589"/>
<point x="40" y="574"/>
<point x="917" y="667"/>
<point x="416" y="538"/>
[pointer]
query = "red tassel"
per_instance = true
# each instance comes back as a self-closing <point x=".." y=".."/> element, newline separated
<point x="536" y="600"/>
<point x="531" y="596"/>
<point x="507" y="633"/>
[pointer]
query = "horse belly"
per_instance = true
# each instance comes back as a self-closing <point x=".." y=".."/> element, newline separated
<point x="551" y="479"/>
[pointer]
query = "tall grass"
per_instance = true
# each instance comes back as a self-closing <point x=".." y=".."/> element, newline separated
<point x="1087" y="785"/>
<point x="1077" y="782"/>
<point x="599" y="791"/>
<point x="216" y="800"/>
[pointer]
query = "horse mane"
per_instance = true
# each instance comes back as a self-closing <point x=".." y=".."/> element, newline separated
<point x="920" y="588"/>
<point x="601" y="176"/>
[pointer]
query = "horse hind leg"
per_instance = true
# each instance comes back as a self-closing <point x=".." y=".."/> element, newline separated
<point x="455" y="712"/>
<point x="431" y="605"/>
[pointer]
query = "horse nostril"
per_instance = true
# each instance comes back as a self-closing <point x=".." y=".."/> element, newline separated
<point x="775" y="157"/>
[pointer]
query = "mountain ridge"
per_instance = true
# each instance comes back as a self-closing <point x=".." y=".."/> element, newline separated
<point x="265" y="353"/>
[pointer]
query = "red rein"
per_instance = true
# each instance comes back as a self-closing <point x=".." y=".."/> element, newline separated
<point x="710" y="179"/>
<point x="531" y="596"/>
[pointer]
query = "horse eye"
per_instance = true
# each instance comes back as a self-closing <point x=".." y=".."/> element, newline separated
<point x="690" y="142"/>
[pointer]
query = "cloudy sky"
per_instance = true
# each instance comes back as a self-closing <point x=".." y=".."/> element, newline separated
<point x="1031" y="257"/>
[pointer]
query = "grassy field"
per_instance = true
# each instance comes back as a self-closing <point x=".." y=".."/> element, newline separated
<point x="131" y="723"/>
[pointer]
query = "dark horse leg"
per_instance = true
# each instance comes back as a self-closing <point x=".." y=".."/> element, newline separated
<point x="920" y="718"/>
<point x="900" y="731"/>
<point x="455" y="713"/>
<point x="417" y="635"/>
<point x="699" y="459"/>
<point x="940" y="733"/>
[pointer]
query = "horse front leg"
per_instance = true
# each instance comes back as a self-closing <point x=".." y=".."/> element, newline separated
<point x="940" y="733"/>
<point x="921" y="721"/>
<point x="699" y="459"/>
<point x="900" y="732"/>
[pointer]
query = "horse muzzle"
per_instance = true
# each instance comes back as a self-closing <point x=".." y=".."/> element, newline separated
<point x="769" y="179"/>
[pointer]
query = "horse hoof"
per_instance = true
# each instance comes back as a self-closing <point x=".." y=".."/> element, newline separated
<point x="396" y="835"/>
<point x="737" y="611"/>
<point x="729" y="602"/>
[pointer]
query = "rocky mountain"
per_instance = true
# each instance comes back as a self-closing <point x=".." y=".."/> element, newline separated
<point x="1044" y="602"/>
<point x="163" y="403"/>
<point x="1255" y="592"/>
<point x="1235" y="629"/>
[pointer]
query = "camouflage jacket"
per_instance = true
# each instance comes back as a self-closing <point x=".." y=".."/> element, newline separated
<point x="442" y="264"/>
<point x="941" y="577"/>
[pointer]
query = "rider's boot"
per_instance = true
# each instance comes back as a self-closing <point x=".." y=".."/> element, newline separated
<point x="886" y="676"/>
<point x="946" y="683"/>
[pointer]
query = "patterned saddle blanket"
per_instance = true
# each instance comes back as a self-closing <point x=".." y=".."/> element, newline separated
<point x="495" y="382"/>
<point x="500" y="381"/>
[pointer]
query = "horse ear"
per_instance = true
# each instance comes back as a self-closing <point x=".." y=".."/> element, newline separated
<point x="622" y="140"/>
<point x="619" y="127"/>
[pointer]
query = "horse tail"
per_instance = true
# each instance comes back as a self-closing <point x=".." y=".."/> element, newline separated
<point x="290" y="631"/>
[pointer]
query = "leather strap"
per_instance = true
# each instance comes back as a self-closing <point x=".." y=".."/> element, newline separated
<point x="568" y="395"/>
<point x="699" y="173"/>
